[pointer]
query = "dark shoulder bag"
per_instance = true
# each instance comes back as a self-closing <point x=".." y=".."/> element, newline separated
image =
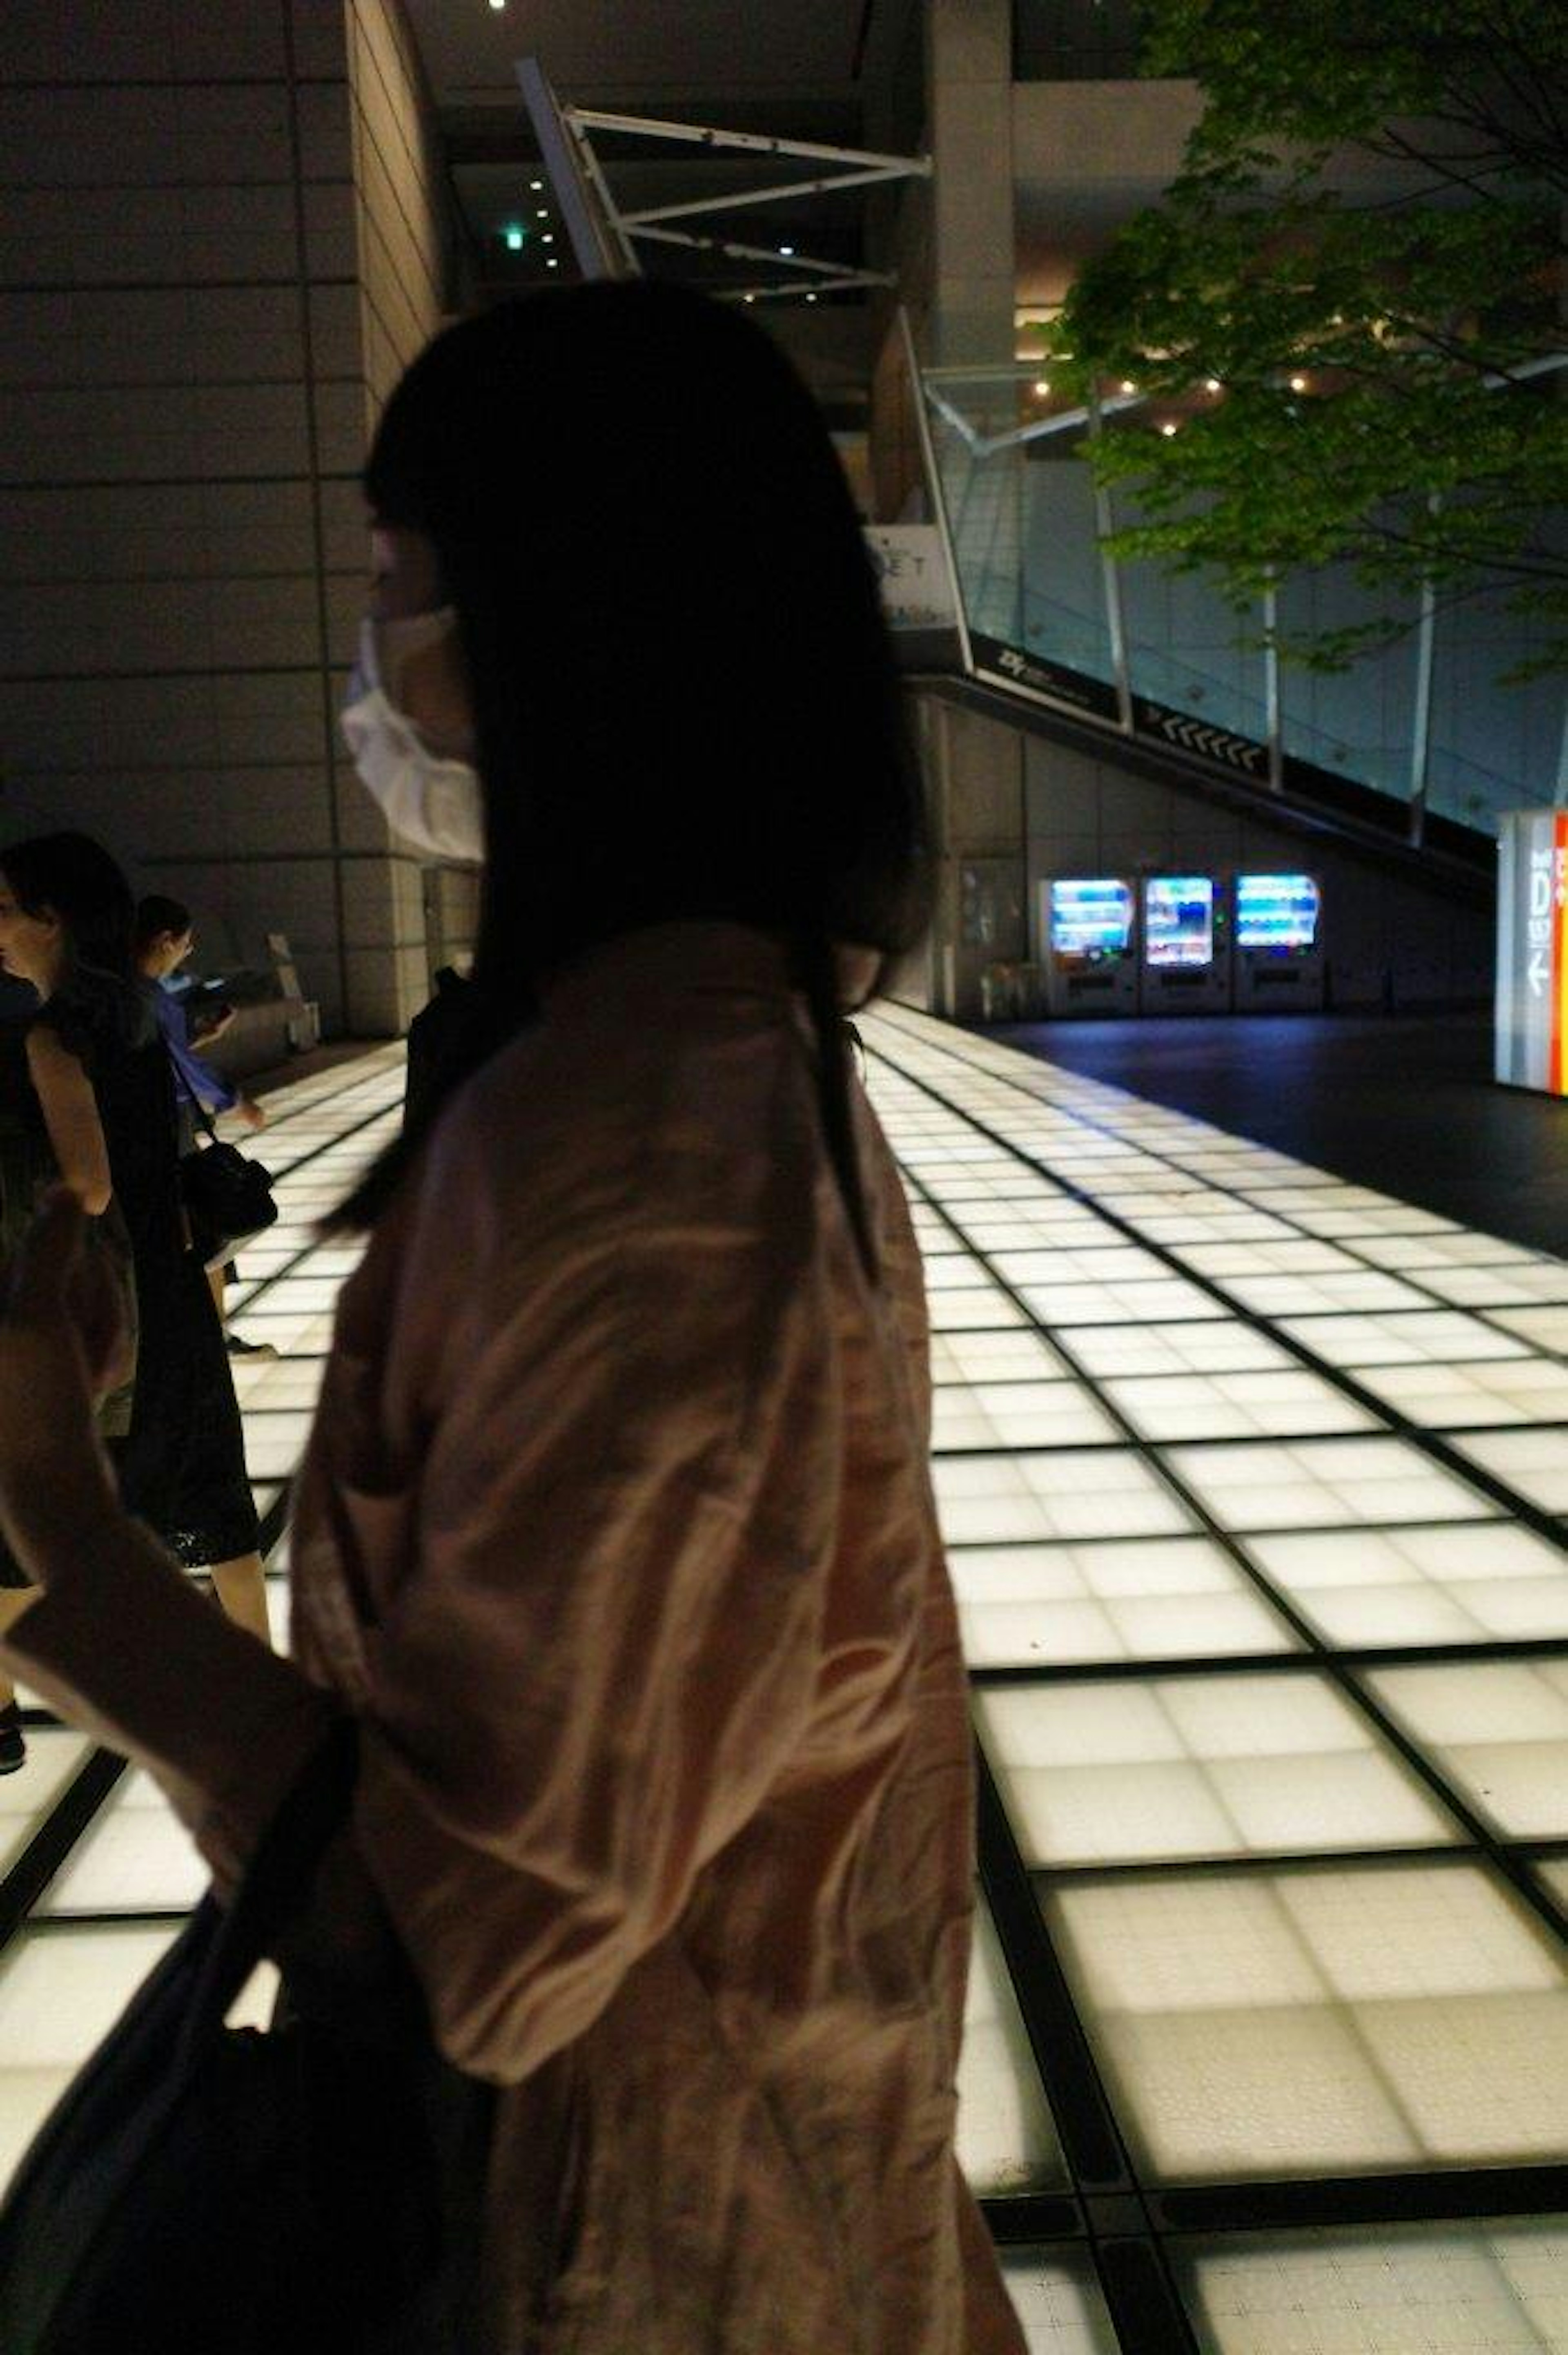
<point x="227" y="1196"/>
<point x="207" y="2190"/>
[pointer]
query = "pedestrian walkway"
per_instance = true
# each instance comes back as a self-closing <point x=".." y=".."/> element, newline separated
<point x="1254" y="1484"/>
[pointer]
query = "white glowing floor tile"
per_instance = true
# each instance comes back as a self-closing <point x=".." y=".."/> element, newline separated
<point x="1422" y="1585"/>
<point x="1457" y="1398"/>
<point x="1520" y="1285"/>
<point x="1153" y="1598"/>
<point x="267" y="1383"/>
<point x="290" y="1295"/>
<point x="1456" y="1247"/>
<point x="1546" y="1328"/>
<point x="951" y="1269"/>
<point x="274" y="1441"/>
<point x="55" y="1758"/>
<point x="1019" y="1414"/>
<point x="1363" y="1291"/>
<point x="1304" y="2021"/>
<point x="1211" y="1766"/>
<point x="132" y="1860"/>
<point x="1106" y="1493"/>
<point x="1221" y="1346"/>
<point x="264" y="1259"/>
<point x="1324" y="1484"/>
<point x="1006" y="2140"/>
<point x="1293" y="1255"/>
<point x="1059" y="2303"/>
<point x="1427" y="2289"/>
<point x="1071" y="1263"/>
<point x="1438" y="1336"/>
<point x="1199" y="1223"/>
<point x="334" y="1259"/>
<point x="1237" y="1406"/>
<point x="291" y="1334"/>
<point x="972" y="1306"/>
<point x="1017" y="1355"/>
<point x="62" y="1990"/>
<point x="277" y="1611"/>
<point x="60" y="1993"/>
<point x="1056" y="1224"/>
<point x="1534" y="1463"/>
<point x="1161" y="1300"/>
<point x="1498" y="1729"/>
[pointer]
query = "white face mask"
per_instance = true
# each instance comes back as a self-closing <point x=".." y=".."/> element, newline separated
<point x="432" y="799"/>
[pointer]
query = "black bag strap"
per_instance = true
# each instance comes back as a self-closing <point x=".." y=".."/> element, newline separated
<point x="278" y="1879"/>
<point x="205" y="1118"/>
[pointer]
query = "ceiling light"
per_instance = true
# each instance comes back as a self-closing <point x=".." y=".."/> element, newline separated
<point x="1042" y="386"/>
<point x="1168" y="428"/>
<point x="1297" y="384"/>
<point x="541" y="212"/>
<point x="552" y="263"/>
<point x="811" y="298"/>
<point x="548" y="238"/>
<point x="498" y="5"/>
<point x="514" y="238"/>
<point x="535" y="186"/>
<point x="1212" y="384"/>
<point x="1128" y="384"/>
<point x="787" y="250"/>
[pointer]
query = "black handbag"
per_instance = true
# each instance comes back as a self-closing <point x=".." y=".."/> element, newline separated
<point x="227" y="1198"/>
<point x="207" y="2190"/>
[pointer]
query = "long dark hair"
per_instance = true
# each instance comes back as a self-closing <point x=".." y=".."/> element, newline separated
<point x="684" y="692"/>
<point x="69" y="875"/>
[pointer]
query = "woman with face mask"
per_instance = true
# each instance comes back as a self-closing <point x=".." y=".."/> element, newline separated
<point x="614" y="1536"/>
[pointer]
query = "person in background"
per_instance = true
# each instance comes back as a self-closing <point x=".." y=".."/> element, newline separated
<point x="105" y="1089"/>
<point x="76" y="1026"/>
<point x="616" y="1537"/>
<point x="163" y="938"/>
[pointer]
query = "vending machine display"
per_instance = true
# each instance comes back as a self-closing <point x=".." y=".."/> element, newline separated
<point x="1088" y="922"/>
<point x="1186" y="965"/>
<point x="1279" y="942"/>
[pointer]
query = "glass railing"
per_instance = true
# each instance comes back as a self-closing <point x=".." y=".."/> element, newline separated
<point x="1163" y="654"/>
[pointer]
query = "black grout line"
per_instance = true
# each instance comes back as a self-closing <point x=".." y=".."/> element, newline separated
<point x="1024" y="1941"/>
<point x="1425" y="2195"/>
<point x="54" y="1840"/>
<point x="1243" y="1201"/>
<point x="79" y="1806"/>
<point x="1284" y="1662"/>
<point x="1324" y="1657"/>
<point x="1395" y="1423"/>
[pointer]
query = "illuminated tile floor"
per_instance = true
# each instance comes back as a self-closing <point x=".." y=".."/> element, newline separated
<point x="1256" y="1486"/>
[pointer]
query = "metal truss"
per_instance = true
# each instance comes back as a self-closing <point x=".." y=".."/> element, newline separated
<point x="806" y="273"/>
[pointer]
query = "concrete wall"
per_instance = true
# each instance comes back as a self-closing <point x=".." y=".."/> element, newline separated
<point x="1008" y="809"/>
<point x="209" y="222"/>
<point x="974" y="769"/>
<point x="971" y="252"/>
<point x="1387" y="941"/>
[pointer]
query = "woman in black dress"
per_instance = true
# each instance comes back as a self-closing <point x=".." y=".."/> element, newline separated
<point x="90" y="1100"/>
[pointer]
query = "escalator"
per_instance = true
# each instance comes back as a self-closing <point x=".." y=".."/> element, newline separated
<point x="1410" y="755"/>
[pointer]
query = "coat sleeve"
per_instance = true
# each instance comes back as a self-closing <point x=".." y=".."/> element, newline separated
<point x="613" y="1630"/>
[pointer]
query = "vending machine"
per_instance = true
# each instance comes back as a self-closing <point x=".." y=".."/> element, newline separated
<point x="1278" y="936"/>
<point x="1087" y="928"/>
<point x="1186" y="968"/>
